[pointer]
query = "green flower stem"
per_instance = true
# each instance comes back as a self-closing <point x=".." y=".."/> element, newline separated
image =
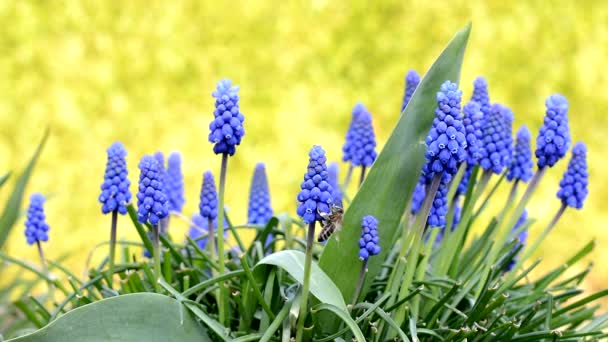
<point x="45" y="267"/>
<point x="220" y="241"/>
<point x="156" y="244"/>
<point x="412" y="260"/>
<point x="211" y="239"/>
<point x="112" y="247"/>
<point x="506" y="229"/>
<point x="310" y="241"/>
<point x="528" y="251"/>
<point x="421" y="271"/>
<point x="359" y="283"/>
<point x="349" y="174"/>
<point x="363" y="169"/>
<point x="454" y="244"/>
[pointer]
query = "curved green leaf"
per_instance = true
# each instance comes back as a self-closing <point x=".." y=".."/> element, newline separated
<point x="11" y="210"/>
<point x="146" y="317"/>
<point x="392" y="178"/>
<point x="352" y="325"/>
<point x="321" y="285"/>
<point x="4" y="178"/>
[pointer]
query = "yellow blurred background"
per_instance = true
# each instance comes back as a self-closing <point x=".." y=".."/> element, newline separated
<point x="142" y="72"/>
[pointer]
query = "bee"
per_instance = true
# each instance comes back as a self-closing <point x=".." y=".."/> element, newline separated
<point x="332" y="222"/>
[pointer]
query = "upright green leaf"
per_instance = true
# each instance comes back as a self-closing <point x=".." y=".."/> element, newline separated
<point x="393" y="176"/>
<point x="4" y="178"/>
<point x="11" y="210"/>
<point x="321" y="285"/>
<point x="146" y="317"/>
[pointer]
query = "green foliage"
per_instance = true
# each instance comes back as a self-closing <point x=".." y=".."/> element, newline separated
<point x="135" y="317"/>
<point x="417" y="289"/>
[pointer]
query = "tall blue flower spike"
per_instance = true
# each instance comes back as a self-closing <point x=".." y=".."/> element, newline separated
<point x="208" y="197"/>
<point x="522" y="237"/>
<point x="369" y="243"/>
<point x="315" y="195"/>
<point x="446" y="140"/>
<point x="351" y="134"/>
<point x="226" y="129"/>
<point x="439" y="208"/>
<point x="259" y="210"/>
<point x="332" y="174"/>
<point x="412" y="79"/>
<point x="115" y="194"/>
<point x="152" y="203"/>
<point x="573" y="186"/>
<point x="174" y="184"/>
<point x="473" y="122"/>
<point x="418" y="195"/>
<point x="480" y="95"/>
<point x="495" y="150"/>
<point x="553" y="140"/>
<point x="36" y="228"/>
<point x="363" y="148"/>
<point x="522" y="164"/>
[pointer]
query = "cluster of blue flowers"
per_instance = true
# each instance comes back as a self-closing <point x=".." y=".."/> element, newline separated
<point x="521" y="166"/>
<point x="208" y="197"/>
<point x="115" y="194"/>
<point x="412" y="79"/>
<point x="480" y="95"/>
<point x="226" y="130"/>
<point x="360" y="145"/>
<point x="259" y="210"/>
<point x="439" y="208"/>
<point x="315" y="195"/>
<point x="496" y="147"/>
<point x="152" y="203"/>
<point x="36" y="228"/>
<point x="369" y="243"/>
<point x="446" y="141"/>
<point x="553" y="139"/>
<point x="573" y="186"/>
<point x="174" y="182"/>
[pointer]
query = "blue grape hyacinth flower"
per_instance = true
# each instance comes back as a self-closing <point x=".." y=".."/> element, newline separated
<point x="36" y="228"/>
<point x="496" y="147"/>
<point x="347" y="148"/>
<point x="412" y="79"/>
<point x="174" y="184"/>
<point x="369" y="243"/>
<point x="418" y="196"/>
<point x="226" y="129"/>
<point x="260" y="209"/>
<point x="553" y="140"/>
<point x="446" y="140"/>
<point x="315" y="195"/>
<point x="439" y="208"/>
<point x="152" y="203"/>
<point x="115" y="194"/>
<point x="363" y="148"/>
<point x="332" y="177"/>
<point x="480" y="95"/>
<point x="208" y="197"/>
<point x="573" y="186"/>
<point x="473" y="122"/>
<point x="522" y="164"/>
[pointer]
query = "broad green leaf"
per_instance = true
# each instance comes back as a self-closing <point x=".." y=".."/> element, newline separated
<point x="146" y="317"/>
<point x="11" y="210"/>
<point x="392" y="178"/>
<point x="321" y="285"/>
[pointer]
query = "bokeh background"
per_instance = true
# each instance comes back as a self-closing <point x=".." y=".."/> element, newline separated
<point x="142" y="72"/>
